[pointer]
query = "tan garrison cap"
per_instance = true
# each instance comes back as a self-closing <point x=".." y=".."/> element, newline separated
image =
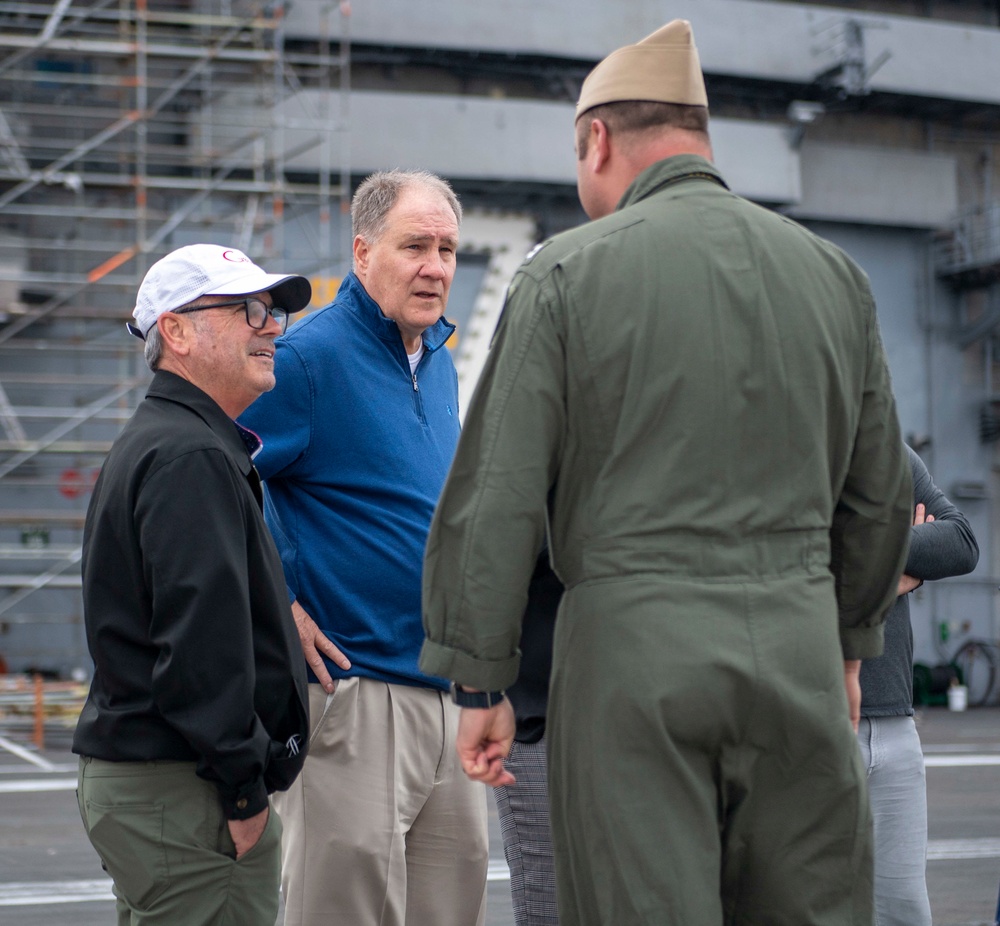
<point x="663" y="67"/>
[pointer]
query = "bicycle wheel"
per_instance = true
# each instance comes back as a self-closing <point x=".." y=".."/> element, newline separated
<point x="977" y="661"/>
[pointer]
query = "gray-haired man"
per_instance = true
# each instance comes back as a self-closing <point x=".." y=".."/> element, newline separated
<point x="197" y="710"/>
<point x="383" y="827"/>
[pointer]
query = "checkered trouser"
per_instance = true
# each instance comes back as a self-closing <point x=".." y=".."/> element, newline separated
<point x="527" y="838"/>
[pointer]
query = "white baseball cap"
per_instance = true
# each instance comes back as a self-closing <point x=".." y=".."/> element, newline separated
<point x="210" y="270"/>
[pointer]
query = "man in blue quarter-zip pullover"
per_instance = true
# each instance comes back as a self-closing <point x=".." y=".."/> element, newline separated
<point x="383" y="826"/>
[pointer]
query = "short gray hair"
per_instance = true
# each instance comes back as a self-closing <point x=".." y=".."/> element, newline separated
<point x="153" y="349"/>
<point x="379" y="192"/>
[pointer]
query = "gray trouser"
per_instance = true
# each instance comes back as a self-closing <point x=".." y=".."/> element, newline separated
<point x="894" y="763"/>
<point x="523" y="809"/>
<point x="161" y="834"/>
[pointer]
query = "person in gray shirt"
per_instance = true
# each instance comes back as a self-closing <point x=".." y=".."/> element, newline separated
<point x="941" y="545"/>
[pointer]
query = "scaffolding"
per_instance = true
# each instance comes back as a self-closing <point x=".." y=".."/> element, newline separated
<point x="108" y="161"/>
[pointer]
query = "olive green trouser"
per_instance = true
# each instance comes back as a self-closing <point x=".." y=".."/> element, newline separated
<point x="703" y="770"/>
<point x="161" y="835"/>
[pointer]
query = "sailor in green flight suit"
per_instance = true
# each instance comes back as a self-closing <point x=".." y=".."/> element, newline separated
<point x="695" y="390"/>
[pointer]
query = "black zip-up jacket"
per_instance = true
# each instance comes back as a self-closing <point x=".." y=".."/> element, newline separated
<point x="188" y="621"/>
<point x="939" y="549"/>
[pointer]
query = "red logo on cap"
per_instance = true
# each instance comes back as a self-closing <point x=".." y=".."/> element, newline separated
<point x="240" y="258"/>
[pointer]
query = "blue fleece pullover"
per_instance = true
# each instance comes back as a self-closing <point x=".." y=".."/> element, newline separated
<point x="355" y="454"/>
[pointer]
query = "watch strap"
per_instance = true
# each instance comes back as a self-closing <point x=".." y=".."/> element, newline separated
<point x="480" y="699"/>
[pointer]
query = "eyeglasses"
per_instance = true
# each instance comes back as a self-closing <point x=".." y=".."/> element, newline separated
<point x="256" y="312"/>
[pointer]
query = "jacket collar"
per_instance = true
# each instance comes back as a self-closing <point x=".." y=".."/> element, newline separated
<point x="367" y="310"/>
<point x="668" y="172"/>
<point x="241" y="444"/>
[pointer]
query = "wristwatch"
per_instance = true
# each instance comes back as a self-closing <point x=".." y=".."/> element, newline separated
<point x="482" y="699"/>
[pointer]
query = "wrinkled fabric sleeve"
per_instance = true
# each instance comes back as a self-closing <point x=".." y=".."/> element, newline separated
<point x="203" y="680"/>
<point x="490" y="523"/>
<point x="946" y="546"/>
<point x="871" y="522"/>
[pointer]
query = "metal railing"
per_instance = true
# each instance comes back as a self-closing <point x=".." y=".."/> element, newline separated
<point x="973" y="245"/>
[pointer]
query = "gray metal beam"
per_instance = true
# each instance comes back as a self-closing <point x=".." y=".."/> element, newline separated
<point x="790" y="42"/>
<point x="52" y="23"/>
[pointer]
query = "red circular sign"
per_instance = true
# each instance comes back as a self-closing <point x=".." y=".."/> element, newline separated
<point x="72" y="483"/>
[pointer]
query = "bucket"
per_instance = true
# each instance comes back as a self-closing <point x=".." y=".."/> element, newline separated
<point x="958" y="698"/>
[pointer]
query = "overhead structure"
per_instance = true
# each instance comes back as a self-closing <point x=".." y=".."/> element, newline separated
<point x="967" y="256"/>
<point x="105" y="165"/>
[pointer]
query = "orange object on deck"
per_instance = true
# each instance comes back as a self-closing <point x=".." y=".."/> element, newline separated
<point x="39" y="736"/>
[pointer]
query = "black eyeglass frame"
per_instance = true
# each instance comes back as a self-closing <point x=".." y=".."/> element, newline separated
<point x="279" y="314"/>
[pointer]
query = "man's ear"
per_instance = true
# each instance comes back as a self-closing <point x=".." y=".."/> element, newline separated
<point x="599" y="146"/>
<point x="361" y="250"/>
<point x="602" y="143"/>
<point x="175" y="333"/>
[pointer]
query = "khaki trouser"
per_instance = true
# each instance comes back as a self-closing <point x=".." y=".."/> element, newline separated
<point x="702" y="767"/>
<point x="382" y="828"/>
<point x="161" y="835"/>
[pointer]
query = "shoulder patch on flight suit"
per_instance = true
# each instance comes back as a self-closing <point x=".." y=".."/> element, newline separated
<point x="530" y="255"/>
<point x="512" y="285"/>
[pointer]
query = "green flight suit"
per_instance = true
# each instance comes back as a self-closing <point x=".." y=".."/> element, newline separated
<point x="696" y="389"/>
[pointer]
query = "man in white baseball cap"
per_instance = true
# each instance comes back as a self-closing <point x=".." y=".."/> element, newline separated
<point x="197" y="710"/>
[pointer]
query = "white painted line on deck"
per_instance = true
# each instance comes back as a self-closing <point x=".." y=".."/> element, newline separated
<point x="955" y="761"/>
<point x="25" y="754"/>
<point x="931" y="748"/>
<point x="942" y="849"/>
<point x="27" y="785"/>
<point x="35" y="893"/>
